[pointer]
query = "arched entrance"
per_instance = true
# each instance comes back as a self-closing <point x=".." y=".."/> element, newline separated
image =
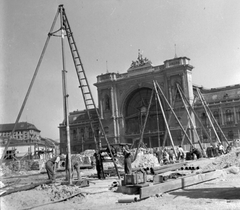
<point x="135" y="112"/>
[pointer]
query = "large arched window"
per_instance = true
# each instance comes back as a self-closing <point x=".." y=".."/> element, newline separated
<point x="136" y="110"/>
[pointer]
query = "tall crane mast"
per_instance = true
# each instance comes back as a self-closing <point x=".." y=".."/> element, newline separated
<point x="83" y="82"/>
<point x="65" y="30"/>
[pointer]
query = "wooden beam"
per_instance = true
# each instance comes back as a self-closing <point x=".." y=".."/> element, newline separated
<point x="180" y="183"/>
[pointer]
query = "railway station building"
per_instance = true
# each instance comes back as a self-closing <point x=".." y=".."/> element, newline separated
<point x="124" y="102"/>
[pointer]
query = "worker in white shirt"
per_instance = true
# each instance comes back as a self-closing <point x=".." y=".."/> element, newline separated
<point x="51" y="166"/>
<point x="220" y="149"/>
<point x="181" y="154"/>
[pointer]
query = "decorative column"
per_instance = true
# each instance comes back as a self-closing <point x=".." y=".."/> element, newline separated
<point x="113" y="115"/>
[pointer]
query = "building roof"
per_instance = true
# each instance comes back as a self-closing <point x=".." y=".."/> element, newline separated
<point x="21" y="126"/>
<point x="16" y="142"/>
<point x="81" y="116"/>
<point x="222" y="94"/>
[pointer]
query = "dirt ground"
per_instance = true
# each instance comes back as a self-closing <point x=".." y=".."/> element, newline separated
<point x="221" y="193"/>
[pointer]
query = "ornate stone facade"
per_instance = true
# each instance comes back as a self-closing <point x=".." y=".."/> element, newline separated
<point x="129" y="96"/>
<point x="124" y="98"/>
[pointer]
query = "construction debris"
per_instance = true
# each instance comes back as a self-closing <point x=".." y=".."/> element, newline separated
<point x="145" y="161"/>
<point x="225" y="161"/>
<point x="59" y="192"/>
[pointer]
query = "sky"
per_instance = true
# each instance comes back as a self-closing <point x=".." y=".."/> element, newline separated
<point x="108" y="34"/>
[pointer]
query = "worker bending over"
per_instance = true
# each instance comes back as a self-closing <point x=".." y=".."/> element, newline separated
<point x="51" y="166"/>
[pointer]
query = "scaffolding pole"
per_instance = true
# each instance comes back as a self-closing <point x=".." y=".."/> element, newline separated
<point x="165" y="120"/>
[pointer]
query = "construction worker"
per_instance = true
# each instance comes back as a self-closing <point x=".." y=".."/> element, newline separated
<point x="171" y="155"/>
<point x="159" y="155"/>
<point x="99" y="165"/>
<point x="165" y="156"/>
<point x="127" y="160"/>
<point x="220" y="149"/>
<point x="51" y="166"/>
<point x="75" y="164"/>
<point x="181" y="154"/>
<point x="196" y="152"/>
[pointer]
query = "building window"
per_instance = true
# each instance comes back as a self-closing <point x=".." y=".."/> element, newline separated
<point x="74" y="133"/>
<point x="216" y="116"/>
<point x="238" y="114"/>
<point x="229" y="117"/>
<point x="107" y="102"/>
<point x="90" y="132"/>
<point x="82" y="132"/>
<point x="204" y="119"/>
<point x="230" y="135"/>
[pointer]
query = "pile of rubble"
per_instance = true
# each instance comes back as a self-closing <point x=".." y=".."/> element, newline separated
<point x="11" y="169"/>
<point x="59" y="192"/>
<point x="144" y="160"/>
<point x="225" y="161"/>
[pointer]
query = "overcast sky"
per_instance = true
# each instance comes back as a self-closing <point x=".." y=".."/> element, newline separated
<point x="206" y="31"/>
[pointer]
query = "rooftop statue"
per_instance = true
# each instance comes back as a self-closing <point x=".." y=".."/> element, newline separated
<point x="140" y="61"/>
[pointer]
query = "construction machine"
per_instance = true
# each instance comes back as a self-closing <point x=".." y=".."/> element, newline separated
<point x="65" y="31"/>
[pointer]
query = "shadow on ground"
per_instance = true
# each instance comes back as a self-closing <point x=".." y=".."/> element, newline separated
<point x="211" y="193"/>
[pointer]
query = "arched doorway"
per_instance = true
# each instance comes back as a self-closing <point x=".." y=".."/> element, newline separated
<point x="135" y="112"/>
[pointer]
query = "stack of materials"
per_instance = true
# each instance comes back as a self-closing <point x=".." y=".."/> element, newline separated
<point x="145" y="161"/>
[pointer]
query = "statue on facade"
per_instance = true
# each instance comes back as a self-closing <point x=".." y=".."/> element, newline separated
<point x="140" y="61"/>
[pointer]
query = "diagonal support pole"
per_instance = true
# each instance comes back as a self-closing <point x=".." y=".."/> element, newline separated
<point x="30" y="87"/>
<point x="165" y="119"/>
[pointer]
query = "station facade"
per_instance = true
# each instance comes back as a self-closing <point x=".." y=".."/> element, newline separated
<point x="123" y="101"/>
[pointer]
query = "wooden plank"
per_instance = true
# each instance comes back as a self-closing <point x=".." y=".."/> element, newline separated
<point x="178" y="184"/>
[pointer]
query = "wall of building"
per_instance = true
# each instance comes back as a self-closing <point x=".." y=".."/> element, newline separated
<point x="117" y="90"/>
<point x="123" y="99"/>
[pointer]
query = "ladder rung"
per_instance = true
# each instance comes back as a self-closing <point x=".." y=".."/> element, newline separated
<point x="90" y="104"/>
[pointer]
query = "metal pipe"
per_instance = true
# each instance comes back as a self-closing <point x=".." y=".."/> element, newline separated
<point x="128" y="200"/>
<point x="65" y="97"/>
